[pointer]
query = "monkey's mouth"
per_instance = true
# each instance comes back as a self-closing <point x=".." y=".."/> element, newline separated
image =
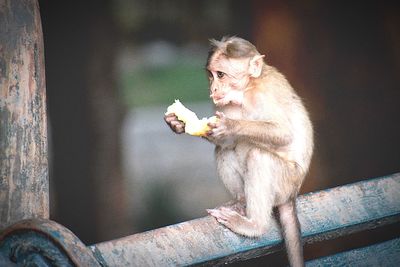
<point x="217" y="99"/>
<point x="219" y="102"/>
<point x="216" y="96"/>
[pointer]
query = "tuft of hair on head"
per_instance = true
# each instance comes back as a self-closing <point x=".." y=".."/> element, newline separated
<point x="233" y="47"/>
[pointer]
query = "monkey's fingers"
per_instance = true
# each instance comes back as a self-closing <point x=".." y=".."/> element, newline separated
<point x="212" y="125"/>
<point x="220" y="115"/>
<point x="217" y="215"/>
<point x="177" y="126"/>
<point x="226" y="216"/>
<point x="170" y="117"/>
<point x="208" y="135"/>
<point x="238" y="206"/>
<point x="212" y="212"/>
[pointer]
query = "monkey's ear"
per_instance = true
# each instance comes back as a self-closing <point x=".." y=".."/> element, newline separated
<point x="255" y="66"/>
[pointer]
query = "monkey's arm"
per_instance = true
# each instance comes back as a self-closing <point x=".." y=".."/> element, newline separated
<point x="264" y="134"/>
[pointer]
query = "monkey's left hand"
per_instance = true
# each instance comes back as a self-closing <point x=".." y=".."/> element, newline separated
<point x="221" y="129"/>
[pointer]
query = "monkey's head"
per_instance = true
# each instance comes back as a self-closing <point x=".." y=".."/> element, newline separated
<point x="231" y="64"/>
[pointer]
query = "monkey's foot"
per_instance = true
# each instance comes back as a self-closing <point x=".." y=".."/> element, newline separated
<point x="234" y="205"/>
<point x="226" y="216"/>
<point x="238" y="223"/>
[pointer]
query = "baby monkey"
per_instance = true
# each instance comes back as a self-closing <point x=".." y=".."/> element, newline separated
<point x="263" y="139"/>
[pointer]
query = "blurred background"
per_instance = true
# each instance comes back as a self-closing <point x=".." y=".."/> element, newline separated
<point x="113" y="67"/>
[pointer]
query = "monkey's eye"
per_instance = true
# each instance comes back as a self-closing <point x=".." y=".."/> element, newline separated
<point x="220" y="74"/>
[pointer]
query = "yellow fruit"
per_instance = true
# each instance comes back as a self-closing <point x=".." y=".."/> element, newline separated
<point x="193" y="125"/>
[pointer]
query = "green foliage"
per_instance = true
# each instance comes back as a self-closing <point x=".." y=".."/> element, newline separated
<point x="163" y="84"/>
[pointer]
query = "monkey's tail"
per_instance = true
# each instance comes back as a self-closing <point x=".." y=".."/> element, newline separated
<point x="291" y="233"/>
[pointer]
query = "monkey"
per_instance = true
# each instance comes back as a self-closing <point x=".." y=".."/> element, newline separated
<point x="263" y="142"/>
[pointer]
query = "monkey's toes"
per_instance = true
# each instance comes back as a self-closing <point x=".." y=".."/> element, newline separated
<point x="225" y="216"/>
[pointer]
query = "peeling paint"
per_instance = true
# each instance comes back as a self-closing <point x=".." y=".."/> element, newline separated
<point x="363" y="205"/>
<point x="32" y="242"/>
<point x="23" y="129"/>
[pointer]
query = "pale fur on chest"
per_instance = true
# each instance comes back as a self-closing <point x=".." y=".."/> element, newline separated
<point x="272" y="110"/>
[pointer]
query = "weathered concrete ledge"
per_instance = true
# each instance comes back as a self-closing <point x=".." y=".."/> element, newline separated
<point x="323" y="215"/>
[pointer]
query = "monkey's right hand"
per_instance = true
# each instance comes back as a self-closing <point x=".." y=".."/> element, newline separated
<point x="176" y="125"/>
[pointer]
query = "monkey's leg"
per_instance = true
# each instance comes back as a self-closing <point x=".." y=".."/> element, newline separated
<point x="291" y="233"/>
<point x="227" y="168"/>
<point x="259" y="193"/>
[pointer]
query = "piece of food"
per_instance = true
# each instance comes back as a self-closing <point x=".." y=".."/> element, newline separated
<point x="193" y="125"/>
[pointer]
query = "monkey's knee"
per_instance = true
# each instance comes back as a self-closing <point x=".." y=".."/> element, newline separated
<point x="261" y="162"/>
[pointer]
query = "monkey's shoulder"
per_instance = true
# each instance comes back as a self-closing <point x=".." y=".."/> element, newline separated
<point x="268" y="96"/>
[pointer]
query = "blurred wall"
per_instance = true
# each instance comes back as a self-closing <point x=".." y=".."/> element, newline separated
<point x="87" y="183"/>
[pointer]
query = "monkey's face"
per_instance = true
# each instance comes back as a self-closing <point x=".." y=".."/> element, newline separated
<point x="228" y="79"/>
